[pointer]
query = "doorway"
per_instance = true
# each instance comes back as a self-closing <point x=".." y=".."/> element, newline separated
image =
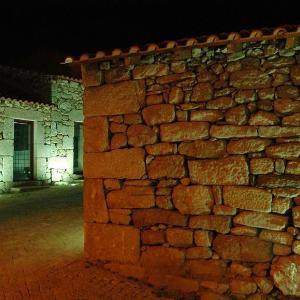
<point x="78" y="148"/>
<point x="23" y="150"/>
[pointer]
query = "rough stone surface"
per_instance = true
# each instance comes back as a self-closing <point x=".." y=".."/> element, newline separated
<point x="220" y="224"/>
<point x="184" y="131"/>
<point x="244" y="287"/>
<point x="161" y="149"/>
<point x="96" y="134"/>
<point x="286" y="274"/>
<point x="243" y="248"/>
<point x="261" y="165"/>
<point x="279" y="237"/>
<point x="232" y="131"/>
<point x="105" y="100"/>
<point x="202" y="92"/>
<point x="154" y="216"/>
<point x="179" y="237"/>
<point x="286" y="106"/>
<point x="247" y="145"/>
<point x="293" y="120"/>
<point x="206" y="115"/>
<point x="295" y="74"/>
<point x="203" y="149"/>
<point x="151" y="237"/>
<point x="237" y="115"/>
<point x="203" y="238"/>
<point x="296" y="216"/>
<point x="165" y="259"/>
<point x="263" y="118"/>
<point x="278" y="131"/>
<point x="284" y="150"/>
<point x="95" y="209"/>
<point x="250" y="79"/>
<point x="158" y="114"/>
<point x="193" y="200"/>
<point x="131" y="197"/>
<point x="249" y="198"/>
<point x="221" y="103"/>
<point x="140" y="135"/>
<point x="202" y="268"/>
<point x="198" y="252"/>
<point x="261" y="220"/>
<point x="232" y="170"/>
<point x="143" y="71"/>
<point x="112" y="242"/>
<point x="277" y="181"/>
<point x="170" y="166"/>
<point x="125" y="163"/>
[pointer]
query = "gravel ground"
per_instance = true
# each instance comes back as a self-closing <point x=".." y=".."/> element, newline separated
<point x="41" y="242"/>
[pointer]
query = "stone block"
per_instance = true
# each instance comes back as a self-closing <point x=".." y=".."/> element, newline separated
<point x="277" y="181"/>
<point x="284" y="150"/>
<point x="193" y="200"/>
<point x="223" y="210"/>
<point x="280" y="237"/>
<point x="286" y="106"/>
<point x="278" y="131"/>
<point x="170" y="166"/>
<point x="207" y="115"/>
<point x="151" y="237"/>
<point x="261" y="220"/>
<point x="176" y="95"/>
<point x="249" y="198"/>
<point x="112" y="184"/>
<point x="94" y="204"/>
<point x="221" y="103"/>
<point x="293" y="120"/>
<point x="245" y="96"/>
<point x="91" y="74"/>
<point x="203" y="149"/>
<point x="131" y="197"/>
<point x="263" y="118"/>
<point x="202" y="92"/>
<point x="184" y="131"/>
<point x="149" y="70"/>
<point x="112" y="242"/>
<point x="281" y="250"/>
<point x="281" y="205"/>
<point x="262" y="165"/>
<point x="118" y="140"/>
<point x="161" y="149"/>
<point x="247" y="145"/>
<point x="159" y="114"/>
<point x="154" y="216"/>
<point x="244" y="230"/>
<point x="237" y="115"/>
<point x="203" y="238"/>
<point x="232" y="131"/>
<point x="293" y="167"/>
<point x="295" y="74"/>
<point x="117" y="74"/>
<point x="179" y="237"/>
<point x="242" y="248"/>
<point x="140" y="135"/>
<point x="132" y="119"/>
<point x="232" y="170"/>
<point x="243" y="287"/>
<point x="121" y="163"/>
<point x="96" y="134"/>
<point x="296" y="216"/>
<point x="250" y="79"/>
<point x="167" y="260"/>
<point x="198" y="252"/>
<point x="206" y="269"/>
<point x="114" y="99"/>
<point x="220" y="224"/>
<point x="119" y="219"/>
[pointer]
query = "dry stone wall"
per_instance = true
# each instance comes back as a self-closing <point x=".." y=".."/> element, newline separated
<point x="192" y="170"/>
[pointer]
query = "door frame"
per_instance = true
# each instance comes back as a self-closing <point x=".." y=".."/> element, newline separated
<point x="21" y="121"/>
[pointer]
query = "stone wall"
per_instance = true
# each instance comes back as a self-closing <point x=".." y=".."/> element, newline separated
<point x="53" y="131"/>
<point x="192" y="169"/>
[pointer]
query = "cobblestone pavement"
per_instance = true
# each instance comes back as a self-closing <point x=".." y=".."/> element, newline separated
<point x="41" y="240"/>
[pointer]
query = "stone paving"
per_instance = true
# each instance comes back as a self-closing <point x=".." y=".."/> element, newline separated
<point x="41" y="241"/>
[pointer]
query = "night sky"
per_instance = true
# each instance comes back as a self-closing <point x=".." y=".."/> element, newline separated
<point x="39" y="35"/>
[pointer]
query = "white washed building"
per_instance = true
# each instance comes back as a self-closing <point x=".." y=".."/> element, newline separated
<point x="41" y="139"/>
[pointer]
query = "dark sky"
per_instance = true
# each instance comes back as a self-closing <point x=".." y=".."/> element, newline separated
<point x="39" y="35"/>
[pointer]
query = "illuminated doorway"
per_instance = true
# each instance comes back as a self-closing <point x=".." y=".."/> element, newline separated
<point x="23" y="150"/>
<point x="78" y="148"/>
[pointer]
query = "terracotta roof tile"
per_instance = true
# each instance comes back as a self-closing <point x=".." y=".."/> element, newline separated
<point x="244" y="35"/>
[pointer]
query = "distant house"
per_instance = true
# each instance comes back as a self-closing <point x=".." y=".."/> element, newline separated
<point x="41" y="136"/>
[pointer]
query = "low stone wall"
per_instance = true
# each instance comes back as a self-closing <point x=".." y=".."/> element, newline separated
<point x="53" y="132"/>
<point x="192" y="169"/>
